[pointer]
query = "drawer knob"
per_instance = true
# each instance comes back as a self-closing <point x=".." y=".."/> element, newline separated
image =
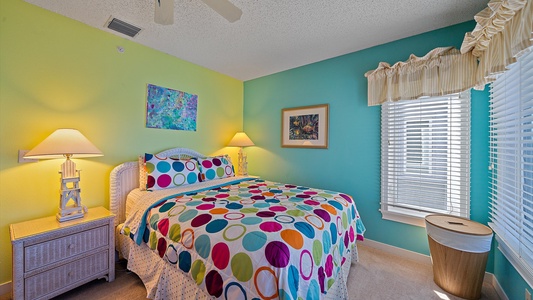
<point x="71" y="246"/>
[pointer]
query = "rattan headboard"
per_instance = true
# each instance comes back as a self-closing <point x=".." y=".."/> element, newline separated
<point x="125" y="177"/>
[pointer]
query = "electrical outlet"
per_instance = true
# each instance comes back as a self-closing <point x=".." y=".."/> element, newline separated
<point x="528" y="295"/>
<point x="25" y="160"/>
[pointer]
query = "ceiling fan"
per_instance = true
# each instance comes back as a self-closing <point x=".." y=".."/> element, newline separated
<point x="164" y="10"/>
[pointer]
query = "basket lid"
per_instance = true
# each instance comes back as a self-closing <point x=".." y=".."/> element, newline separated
<point x="458" y="224"/>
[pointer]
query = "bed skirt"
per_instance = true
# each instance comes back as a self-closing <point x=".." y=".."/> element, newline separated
<point x="163" y="281"/>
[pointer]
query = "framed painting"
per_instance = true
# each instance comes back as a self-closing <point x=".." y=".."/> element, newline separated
<point x="305" y="127"/>
<point x="170" y="109"/>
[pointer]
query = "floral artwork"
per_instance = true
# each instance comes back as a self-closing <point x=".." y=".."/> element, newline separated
<point x="303" y="127"/>
<point x="170" y="109"/>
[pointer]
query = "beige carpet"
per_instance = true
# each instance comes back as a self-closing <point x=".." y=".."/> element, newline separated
<point x="380" y="275"/>
<point x="377" y="275"/>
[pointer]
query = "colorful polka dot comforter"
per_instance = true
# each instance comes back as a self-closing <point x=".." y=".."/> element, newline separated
<point x="250" y="238"/>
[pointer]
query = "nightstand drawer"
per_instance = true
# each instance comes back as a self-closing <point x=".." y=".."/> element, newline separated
<point x="58" y="278"/>
<point x="42" y="254"/>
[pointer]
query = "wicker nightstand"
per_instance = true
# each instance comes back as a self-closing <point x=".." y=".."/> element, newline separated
<point x="50" y="258"/>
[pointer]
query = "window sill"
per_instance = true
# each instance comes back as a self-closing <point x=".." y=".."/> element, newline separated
<point x="416" y="220"/>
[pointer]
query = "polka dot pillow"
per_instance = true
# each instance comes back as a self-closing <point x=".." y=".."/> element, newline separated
<point x="216" y="167"/>
<point x="167" y="172"/>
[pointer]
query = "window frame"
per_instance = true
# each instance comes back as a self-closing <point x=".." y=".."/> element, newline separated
<point x="413" y="214"/>
<point x="511" y="134"/>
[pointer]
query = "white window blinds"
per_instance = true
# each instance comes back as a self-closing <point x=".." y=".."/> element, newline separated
<point x="511" y="156"/>
<point x="425" y="158"/>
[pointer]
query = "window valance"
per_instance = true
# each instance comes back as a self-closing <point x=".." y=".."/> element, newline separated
<point x="441" y="71"/>
<point x="503" y="31"/>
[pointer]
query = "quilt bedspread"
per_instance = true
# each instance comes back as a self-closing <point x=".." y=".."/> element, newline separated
<point x="254" y="239"/>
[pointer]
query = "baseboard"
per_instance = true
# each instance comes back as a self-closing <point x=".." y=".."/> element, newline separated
<point x="5" y="288"/>
<point x="494" y="281"/>
<point x="426" y="259"/>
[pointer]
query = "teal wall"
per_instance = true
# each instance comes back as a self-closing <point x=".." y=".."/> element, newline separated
<point x="352" y="162"/>
<point x="509" y="278"/>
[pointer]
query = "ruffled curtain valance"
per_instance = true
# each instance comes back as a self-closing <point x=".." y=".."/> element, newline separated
<point x="503" y="31"/>
<point x="441" y="71"/>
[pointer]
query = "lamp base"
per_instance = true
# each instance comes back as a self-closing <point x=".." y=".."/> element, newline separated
<point x="70" y="193"/>
<point x="68" y="217"/>
<point x="243" y="164"/>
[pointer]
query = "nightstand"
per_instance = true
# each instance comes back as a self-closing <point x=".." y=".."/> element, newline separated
<point x="50" y="258"/>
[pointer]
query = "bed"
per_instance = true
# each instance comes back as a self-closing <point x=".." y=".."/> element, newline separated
<point x="217" y="235"/>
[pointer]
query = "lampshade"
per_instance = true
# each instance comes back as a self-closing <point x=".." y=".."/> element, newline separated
<point x="64" y="142"/>
<point x="240" y="140"/>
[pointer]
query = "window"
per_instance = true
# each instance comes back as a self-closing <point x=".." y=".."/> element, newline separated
<point x="511" y="157"/>
<point x="425" y="158"/>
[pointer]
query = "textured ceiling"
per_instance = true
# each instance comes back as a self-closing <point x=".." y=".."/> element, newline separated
<point x="272" y="35"/>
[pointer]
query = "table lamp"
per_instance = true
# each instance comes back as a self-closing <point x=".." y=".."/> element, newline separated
<point x="67" y="143"/>
<point x="241" y="140"/>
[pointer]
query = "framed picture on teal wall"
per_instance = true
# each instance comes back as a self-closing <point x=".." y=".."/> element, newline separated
<point x="305" y="127"/>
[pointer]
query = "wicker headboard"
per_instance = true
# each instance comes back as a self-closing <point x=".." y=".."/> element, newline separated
<point x="125" y="178"/>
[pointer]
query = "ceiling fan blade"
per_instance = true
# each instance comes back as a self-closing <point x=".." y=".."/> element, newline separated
<point x="164" y="12"/>
<point x="225" y="8"/>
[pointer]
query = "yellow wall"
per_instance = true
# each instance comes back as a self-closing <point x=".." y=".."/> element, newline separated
<point x="55" y="73"/>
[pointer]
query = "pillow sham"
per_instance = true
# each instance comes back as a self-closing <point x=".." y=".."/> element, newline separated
<point x="216" y="167"/>
<point x="168" y="172"/>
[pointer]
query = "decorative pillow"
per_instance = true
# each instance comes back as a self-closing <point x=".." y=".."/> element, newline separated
<point x="168" y="172"/>
<point x="142" y="173"/>
<point x="216" y="167"/>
